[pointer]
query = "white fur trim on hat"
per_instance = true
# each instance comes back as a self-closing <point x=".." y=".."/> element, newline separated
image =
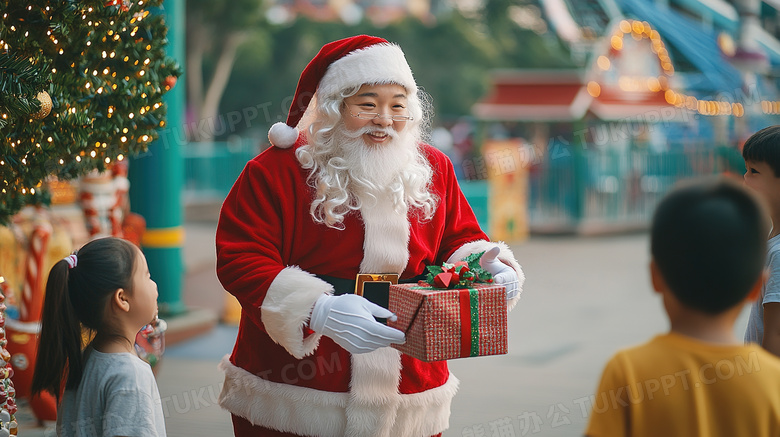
<point x="282" y="136"/>
<point x="376" y="64"/>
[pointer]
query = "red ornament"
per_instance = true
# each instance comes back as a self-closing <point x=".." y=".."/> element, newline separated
<point x="170" y="81"/>
<point x="442" y="280"/>
<point x="122" y="4"/>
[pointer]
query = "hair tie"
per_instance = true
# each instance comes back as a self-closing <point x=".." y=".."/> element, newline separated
<point x="72" y="261"/>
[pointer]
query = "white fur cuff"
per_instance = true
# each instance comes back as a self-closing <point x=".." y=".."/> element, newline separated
<point x="287" y="307"/>
<point x="505" y="255"/>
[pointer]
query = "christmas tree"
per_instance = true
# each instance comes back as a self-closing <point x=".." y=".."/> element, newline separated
<point x="81" y="86"/>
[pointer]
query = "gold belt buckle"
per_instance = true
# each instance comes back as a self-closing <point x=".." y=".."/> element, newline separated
<point x="362" y="278"/>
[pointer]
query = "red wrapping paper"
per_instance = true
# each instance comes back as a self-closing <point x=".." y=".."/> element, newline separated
<point x="448" y="324"/>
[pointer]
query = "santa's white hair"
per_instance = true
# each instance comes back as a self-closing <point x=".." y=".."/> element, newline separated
<point x="348" y="175"/>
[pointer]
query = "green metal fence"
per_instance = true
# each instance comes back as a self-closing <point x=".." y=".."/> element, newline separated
<point x="602" y="190"/>
<point x="587" y="189"/>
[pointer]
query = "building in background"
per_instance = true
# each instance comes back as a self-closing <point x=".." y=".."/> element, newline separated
<point x="663" y="90"/>
<point x="379" y="12"/>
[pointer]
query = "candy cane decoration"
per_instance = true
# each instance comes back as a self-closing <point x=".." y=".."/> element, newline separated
<point x="90" y="212"/>
<point x="32" y="294"/>
<point x="122" y="186"/>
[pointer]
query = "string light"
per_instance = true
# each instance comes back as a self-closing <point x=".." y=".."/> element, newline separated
<point x="97" y="30"/>
<point x="594" y="89"/>
<point x="641" y="30"/>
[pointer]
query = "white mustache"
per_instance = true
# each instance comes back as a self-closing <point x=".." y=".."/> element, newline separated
<point x="355" y="134"/>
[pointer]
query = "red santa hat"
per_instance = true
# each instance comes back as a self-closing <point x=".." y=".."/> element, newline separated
<point x="352" y="61"/>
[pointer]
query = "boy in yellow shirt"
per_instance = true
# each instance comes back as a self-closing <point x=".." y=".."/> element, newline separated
<point x="708" y="245"/>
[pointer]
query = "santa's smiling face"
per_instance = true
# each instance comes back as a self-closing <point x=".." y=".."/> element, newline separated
<point x="376" y="111"/>
<point x="364" y="149"/>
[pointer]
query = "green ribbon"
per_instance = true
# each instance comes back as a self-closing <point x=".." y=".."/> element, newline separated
<point x="474" y="304"/>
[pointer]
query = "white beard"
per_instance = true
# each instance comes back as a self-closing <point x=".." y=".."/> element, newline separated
<point x="349" y="174"/>
<point x="376" y="171"/>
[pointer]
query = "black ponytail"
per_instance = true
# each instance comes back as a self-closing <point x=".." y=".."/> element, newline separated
<point x="59" y="345"/>
<point x="78" y="297"/>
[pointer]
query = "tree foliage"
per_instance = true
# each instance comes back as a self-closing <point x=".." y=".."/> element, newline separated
<point x="104" y="65"/>
<point x="216" y="32"/>
<point x="451" y="59"/>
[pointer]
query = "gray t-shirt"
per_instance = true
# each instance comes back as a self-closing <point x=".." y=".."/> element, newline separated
<point x="770" y="292"/>
<point x="117" y="396"/>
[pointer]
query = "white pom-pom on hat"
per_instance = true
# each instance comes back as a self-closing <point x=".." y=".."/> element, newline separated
<point x="283" y="136"/>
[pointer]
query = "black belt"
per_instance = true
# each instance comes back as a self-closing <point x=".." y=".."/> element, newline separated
<point x="377" y="292"/>
<point x="347" y="286"/>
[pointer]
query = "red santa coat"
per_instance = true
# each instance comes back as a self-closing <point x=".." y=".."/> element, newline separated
<point x="282" y="375"/>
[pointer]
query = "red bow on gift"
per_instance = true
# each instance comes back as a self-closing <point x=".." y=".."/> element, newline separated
<point x="460" y="274"/>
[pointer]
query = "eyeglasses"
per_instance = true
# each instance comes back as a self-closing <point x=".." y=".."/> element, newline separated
<point x="374" y="115"/>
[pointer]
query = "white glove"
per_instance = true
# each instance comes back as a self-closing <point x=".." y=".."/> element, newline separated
<point x="349" y="320"/>
<point x="502" y="273"/>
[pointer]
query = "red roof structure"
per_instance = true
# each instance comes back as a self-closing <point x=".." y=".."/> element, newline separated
<point x="561" y="95"/>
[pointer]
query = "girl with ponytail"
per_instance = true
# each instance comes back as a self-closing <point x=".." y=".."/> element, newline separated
<point x="104" y="389"/>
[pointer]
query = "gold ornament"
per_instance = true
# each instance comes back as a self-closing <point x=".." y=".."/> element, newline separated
<point x="46" y="105"/>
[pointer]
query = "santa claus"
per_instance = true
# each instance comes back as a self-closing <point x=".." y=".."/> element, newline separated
<point x="348" y="188"/>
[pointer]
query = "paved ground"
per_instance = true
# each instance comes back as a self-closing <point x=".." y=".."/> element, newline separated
<point x="585" y="297"/>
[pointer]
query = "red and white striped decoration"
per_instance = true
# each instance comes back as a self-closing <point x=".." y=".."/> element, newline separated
<point x="90" y="213"/>
<point x="122" y="187"/>
<point x="31" y="303"/>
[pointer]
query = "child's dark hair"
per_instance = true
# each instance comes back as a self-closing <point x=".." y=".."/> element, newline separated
<point x="764" y="146"/>
<point x="708" y="239"/>
<point x="77" y="297"/>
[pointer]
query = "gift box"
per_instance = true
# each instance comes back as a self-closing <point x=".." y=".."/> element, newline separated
<point x="442" y="324"/>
